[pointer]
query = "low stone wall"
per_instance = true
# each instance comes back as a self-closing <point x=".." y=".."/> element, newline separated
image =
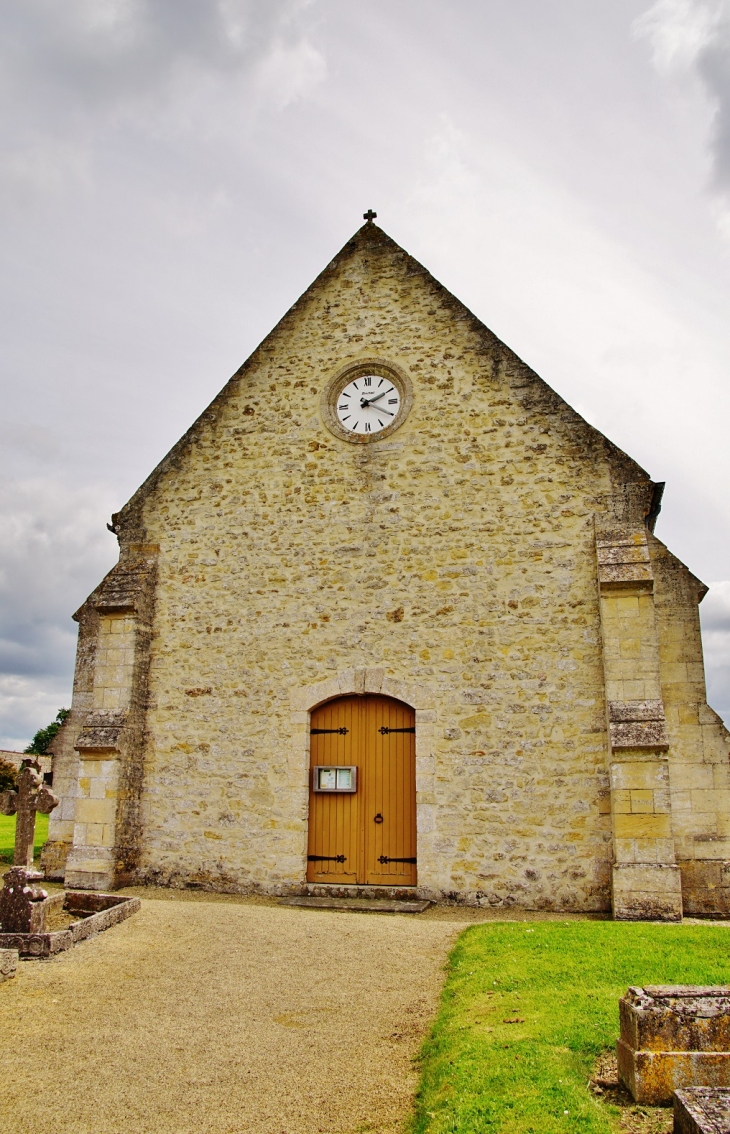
<point x="103" y="911"/>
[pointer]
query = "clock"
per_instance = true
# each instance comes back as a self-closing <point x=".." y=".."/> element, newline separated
<point x="366" y="401"/>
<point x="368" y="404"/>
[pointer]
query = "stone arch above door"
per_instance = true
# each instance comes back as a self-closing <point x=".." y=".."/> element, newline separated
<point x="304" y="698"/>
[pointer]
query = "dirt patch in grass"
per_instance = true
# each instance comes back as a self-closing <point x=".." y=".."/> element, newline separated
<point x="634" y="1119"/>
<point x="60" y="919"/>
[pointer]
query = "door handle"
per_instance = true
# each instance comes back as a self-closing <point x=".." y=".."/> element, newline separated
<point x="378" y="818"/>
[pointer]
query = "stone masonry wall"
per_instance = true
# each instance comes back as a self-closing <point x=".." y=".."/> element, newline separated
<point x="456" y="557"/>
<point x="458" y="554"/>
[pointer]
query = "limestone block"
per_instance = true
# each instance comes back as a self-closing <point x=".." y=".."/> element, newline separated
<point x="54" y="855"/>
<point x="651" y="1077"/>
<point x="642" y="826"/>
<point x="90" y="868"/>
<point x="95" y="810"/>
<point x="374" y="679"/>
<point x="637" y="724"/>
<point x="715" y="847"/>
<point x="646" y="892"/>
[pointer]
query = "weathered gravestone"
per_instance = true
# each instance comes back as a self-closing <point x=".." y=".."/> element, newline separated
<point x="702" y="1110"/>
<point x="8" y="964"/>
<point x="22" y="905"/>
<point x="673" y="1036"/>
<point x="32" y="795"/>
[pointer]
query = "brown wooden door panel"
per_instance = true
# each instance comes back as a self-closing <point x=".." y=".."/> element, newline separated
<point x="334" y="819"/>
<point x="390" y="791"/>
<point x="346" y="824"/>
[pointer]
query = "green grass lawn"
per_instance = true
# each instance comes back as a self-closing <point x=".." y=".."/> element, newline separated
<point x="562" y="982"/>
<point x="7" y="835"/>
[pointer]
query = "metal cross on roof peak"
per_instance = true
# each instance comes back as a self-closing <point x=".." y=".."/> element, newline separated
<point x="369" y="216"/>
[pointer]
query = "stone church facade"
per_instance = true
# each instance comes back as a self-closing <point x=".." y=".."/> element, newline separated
<point x="482" y="559"/>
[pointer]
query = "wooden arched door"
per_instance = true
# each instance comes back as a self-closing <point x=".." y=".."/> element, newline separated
<point x="362" y="823"/>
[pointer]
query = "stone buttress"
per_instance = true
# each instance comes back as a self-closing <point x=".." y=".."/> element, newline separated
<point x="667" y="749"/>
<point x="94" y="841"/>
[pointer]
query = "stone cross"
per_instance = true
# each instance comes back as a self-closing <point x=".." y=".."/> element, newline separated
<point x="369" y="215"/>
<point x="32" y="796"/>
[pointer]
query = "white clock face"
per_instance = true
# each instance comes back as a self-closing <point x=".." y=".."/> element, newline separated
<point x="368" y="404"/>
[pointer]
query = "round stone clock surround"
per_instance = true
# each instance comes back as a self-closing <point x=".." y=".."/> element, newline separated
<point x="352" y="372"/>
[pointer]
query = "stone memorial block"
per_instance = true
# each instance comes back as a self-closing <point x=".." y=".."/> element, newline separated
<point x="8" y="964"/>
<point x="672" y="1037"/>
<point x="702" y="1110"/>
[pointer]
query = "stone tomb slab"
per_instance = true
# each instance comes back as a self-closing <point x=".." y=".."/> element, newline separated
<point x="673" y="1037"/>
<point x="95" y="912"/>
<point x="702" y="1110"/>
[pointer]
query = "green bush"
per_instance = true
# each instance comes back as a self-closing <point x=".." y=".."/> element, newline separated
<point x="39" y="744"/>
<point x="8" y="775"/>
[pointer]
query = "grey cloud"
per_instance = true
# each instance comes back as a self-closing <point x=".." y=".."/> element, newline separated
<point x="176" y="172"/>
<point x="715" y="616"/>
<point x="79" y="74"/>
<point x="713" y="64"/>
<point x="100" y="50"/>
<point x="715" y="608"/>
<point x="54" y="551"/>
<point x="693" y="36"/>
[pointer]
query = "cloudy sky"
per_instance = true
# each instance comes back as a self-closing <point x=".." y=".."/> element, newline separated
<point x="174" y="173"/>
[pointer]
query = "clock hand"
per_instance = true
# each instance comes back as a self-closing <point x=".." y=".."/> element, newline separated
<point x="378" y="409"/>
<point x="369" y="401"/>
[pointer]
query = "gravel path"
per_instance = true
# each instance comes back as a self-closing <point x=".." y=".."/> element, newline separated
<point x="210" y="1016"/>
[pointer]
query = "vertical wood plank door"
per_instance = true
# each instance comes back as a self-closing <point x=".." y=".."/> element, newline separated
<point x="374" y="828"/>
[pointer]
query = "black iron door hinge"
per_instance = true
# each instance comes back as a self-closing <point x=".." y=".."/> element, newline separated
<point x="384" y="858"/>
<point x="384" y="730"/>
<point x="319" y="731"/>
<point x="326" y="858"/>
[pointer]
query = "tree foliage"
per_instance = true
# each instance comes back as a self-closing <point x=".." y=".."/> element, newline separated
<point x="39" y="744"/>
<point x="8" y="775"/>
